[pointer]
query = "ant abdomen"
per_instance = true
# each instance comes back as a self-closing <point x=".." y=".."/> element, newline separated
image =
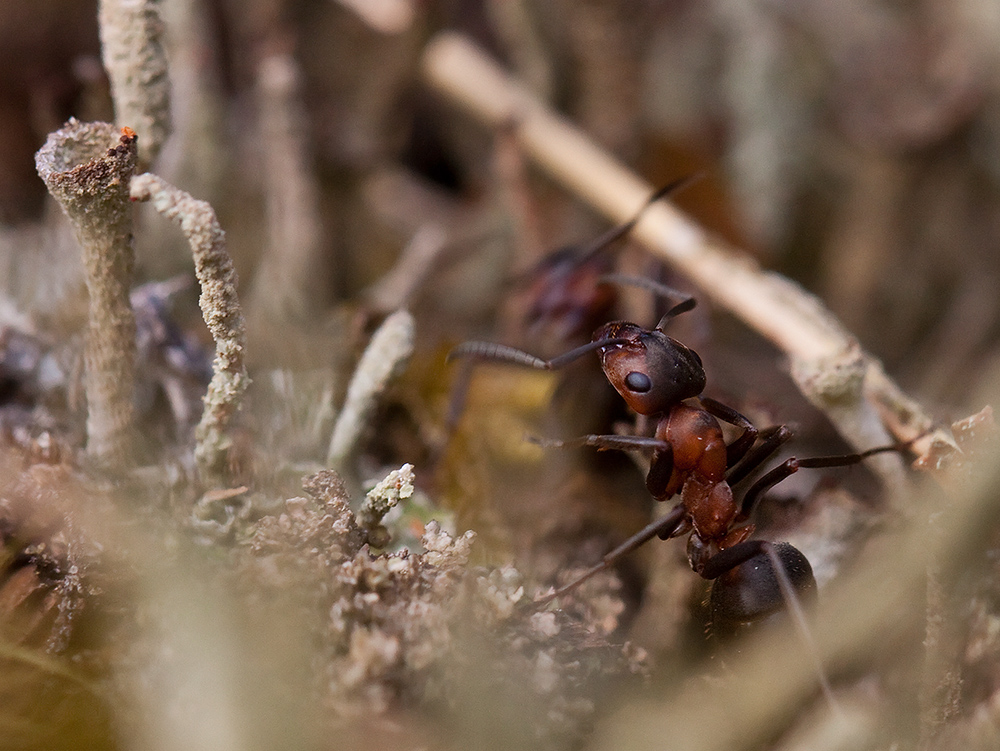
<point x="750" y="593"/>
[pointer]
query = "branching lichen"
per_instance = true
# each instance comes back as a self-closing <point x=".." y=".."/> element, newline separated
<point x="220" y="307"/>
<point x="397" y="486"/>
<point x="387" y="353"/>
<point x="87" y="167"/>
<point x="423" y="628"/>
<point x="133" y="55"/>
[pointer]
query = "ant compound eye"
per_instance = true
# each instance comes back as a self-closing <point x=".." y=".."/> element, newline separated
<point x="637" y="382"/>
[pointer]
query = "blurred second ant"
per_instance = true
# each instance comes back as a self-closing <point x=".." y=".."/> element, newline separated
<point x="565" y="292"/>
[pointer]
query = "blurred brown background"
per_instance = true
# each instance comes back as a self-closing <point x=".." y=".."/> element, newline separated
<point x="852" y="145"/>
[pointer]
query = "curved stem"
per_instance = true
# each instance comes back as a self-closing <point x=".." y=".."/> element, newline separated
<point x="220" y="306"/>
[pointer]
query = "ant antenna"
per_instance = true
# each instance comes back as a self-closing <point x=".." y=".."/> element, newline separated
<point x="599" y="243"/>
<point x="682" y="307"/>
<point x="503" y="353"/>
<point x="657" y="288"/>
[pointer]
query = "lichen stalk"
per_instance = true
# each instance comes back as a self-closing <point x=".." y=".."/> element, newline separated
<point x="87" y="167"/>
<point x="133" y="54"/>
<point x="387" y="353"/>
<point x="220" y="307"/>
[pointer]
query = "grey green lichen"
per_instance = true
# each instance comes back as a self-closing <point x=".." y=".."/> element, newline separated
<point x="220" y="306"/>
<point x="380" y="500"/>
<point x="386" y="355"/>
<point x="87" y="168"/>
<point x="428" y="628"/>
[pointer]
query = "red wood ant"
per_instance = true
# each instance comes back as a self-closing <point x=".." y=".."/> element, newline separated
<point x="564" y="292"/>
<point x="661" y="378"/>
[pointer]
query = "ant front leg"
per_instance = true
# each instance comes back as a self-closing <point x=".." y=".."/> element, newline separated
<point x="738" y="448"/>
<point x="670" y="525"/>
<point x="605" y="442"/>
<point x="661" y="466"/>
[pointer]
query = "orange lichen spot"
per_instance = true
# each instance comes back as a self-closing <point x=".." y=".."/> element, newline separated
<point x="128" y="132"/>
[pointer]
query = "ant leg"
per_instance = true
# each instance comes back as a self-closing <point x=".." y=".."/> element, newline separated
<point x="641" y="282"/>
<point x="662" y="290"/>
<point x="790" y="466"/>
<point x="459" y="393"/>
<point x="599" y="243"/>
<point x="738" y="448"/>
<point x="605" y="442"/>
<point x="660" y="473"/>
<point x="664" y="528"/>
<point x="771" y="441"/>
<point x="661" y="466"/>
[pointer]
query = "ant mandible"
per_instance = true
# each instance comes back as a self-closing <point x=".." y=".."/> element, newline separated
<point x="661" y="378"/>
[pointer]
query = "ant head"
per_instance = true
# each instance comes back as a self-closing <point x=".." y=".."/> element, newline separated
<point x="651" y="371"/>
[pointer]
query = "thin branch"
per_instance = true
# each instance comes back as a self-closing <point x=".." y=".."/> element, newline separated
<point x="397" y="288"/>
<point x="132" y="50"/>
<point x="291" y="281"/>
<point x="384" y="16"/>
<point x="387" y="353"/>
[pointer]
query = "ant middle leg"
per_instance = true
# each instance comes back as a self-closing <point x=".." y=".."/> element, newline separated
<point x="771" y="439"/>
<point x="792" y="465"/>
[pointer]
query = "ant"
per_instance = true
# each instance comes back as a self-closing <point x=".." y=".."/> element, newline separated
<point x="566" y="290"/>
<point x="662" y="379"/>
